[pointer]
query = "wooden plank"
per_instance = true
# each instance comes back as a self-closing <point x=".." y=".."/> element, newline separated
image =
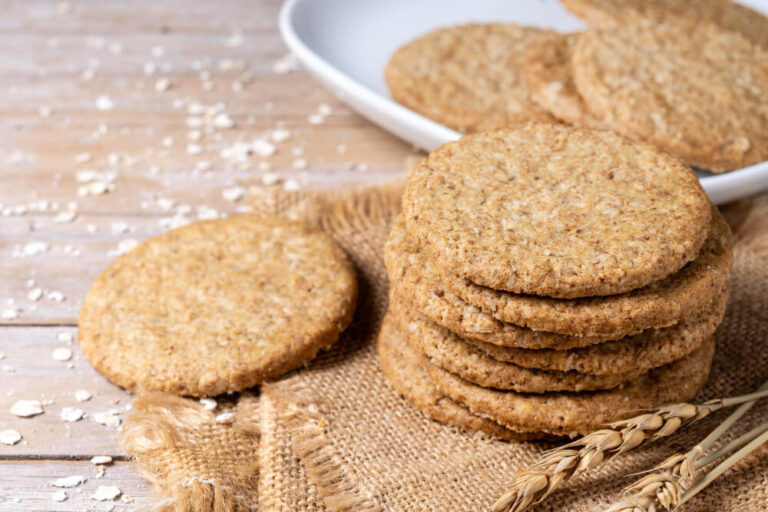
<point x="25" y="485"/>
<point x="29" y="372"/>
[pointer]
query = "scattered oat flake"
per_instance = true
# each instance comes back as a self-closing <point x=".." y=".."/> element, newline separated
<point x="292" y="185"/>
<point x="194" y="149"/>
<point x="104" y="103"/>
<point x="10" y="314"/>
<point x="101" y="459"/>
<point x="9" y="437"/>
<point x="300" y="163"/>
<point x="162" y="85"/>
<point x="59" y="496"/>
<point x="68" y="481"/>
<point x="222" y="121"/>
<point x="35" y="294"/>
<point x="108" y="418"/>
<point x="65" y="337"/>
<point x="126" y="245"/>
<point x="27" y="408"/>
<point x="95" y="188"/>
<point x="35" y="248"/>
<point x="81" y="395"/>
<point x="2" y="356"/>
<point x="106" y="493"/>
<point x="316" y="119"/>
<point x="62" y="354"/>
<point x="82" y="158"/>
<point x="65" y="217"/>
<point x="270" y="178"/>
<point x="71" y="414"/>
<point x="233" y="194"/>
<point x="55" y="295"/>
<point x="208" y="404"/>
<point x="225" y="417"/>
<point x="287" y="64"/>
<point x="280" y="135"/>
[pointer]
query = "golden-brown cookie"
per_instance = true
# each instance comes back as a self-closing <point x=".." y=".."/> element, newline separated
<point x="650" y="349"/>
<point x="217" y="306"/>
<point x="412" y="277"/>
<point x="404" y="368"/>
<point x="445" y="349"/>
<point x="547" y="71"/>
<point x="725" y="13"/>
<point x="467" y="77"/>
<point x="552" y="210"/>
<point x="698" y="94"/>
<point x="573" y="414"/>
<point x="660" y="304"/>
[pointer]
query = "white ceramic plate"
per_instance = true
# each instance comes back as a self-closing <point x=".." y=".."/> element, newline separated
<point x="347" y="43"/>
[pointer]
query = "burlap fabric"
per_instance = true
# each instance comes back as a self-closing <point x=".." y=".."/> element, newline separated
<point x="335" y="436"/>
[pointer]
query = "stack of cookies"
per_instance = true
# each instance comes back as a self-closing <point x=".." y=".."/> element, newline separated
<point x="547" y="280"/>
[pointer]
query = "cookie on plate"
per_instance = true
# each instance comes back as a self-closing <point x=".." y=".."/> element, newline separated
<point x="217" y="306"/>
<point x="467" y="77"/>
<point x="725" y="13"/>
<point x="698" y="94"/>
<point x="405" y="370"/>
<point x="571" y="414"/>
<point x="552" y="210"/>
<point x="547" y="71"/>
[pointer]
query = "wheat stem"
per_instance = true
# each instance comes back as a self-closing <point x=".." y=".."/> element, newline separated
<point x="724" y="466"/>
<point x="733" y="445"/>
<point x="557" y="466"/>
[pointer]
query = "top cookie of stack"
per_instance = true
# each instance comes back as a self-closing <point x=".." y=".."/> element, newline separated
<point x="548" y="280"/>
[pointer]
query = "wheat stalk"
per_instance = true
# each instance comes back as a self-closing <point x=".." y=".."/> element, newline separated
<point x="557" y="466"/>
<point x="663" y="488"/>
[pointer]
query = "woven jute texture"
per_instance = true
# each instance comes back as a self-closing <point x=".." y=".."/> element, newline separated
<point x="336" y="436"/>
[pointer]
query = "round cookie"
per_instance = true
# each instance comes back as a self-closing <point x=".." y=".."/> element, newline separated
<point x="412" y="277"/>
<point x="572" y="414"/>
<point x="660" y="304"/>
<point x="467" y="77"/>
<point x="552" y="210"/>
<point x="448" y="351"/>
<point x="404" y="368"/>
<point x="698" y="94"/>
<point x="725" y="13"/>
<point x="547" y="71"/>
<point x="650" y="349"/>
<point x="217" y="306"/>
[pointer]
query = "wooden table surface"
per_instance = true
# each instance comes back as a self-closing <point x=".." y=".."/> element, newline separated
<point x="135" y="98"/>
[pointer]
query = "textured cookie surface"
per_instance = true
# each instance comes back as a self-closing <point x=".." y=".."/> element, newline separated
<point x="579" y="413"/>
<point x="725" y="13"/>
<point x="547" y="71"/>
<point x="413" y="278"/>
<point x="405" y="370"/>
<point x="699" y="94"/>
<point x="448" y="351"/>
<point x="650" y="349"/>
<point x="467" y="77"/>
<point x="663" y="303"/>
<point x="552" y="210"/>
<point x="217" y="306"/>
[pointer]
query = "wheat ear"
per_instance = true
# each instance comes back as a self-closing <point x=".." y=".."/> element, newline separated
<point x="557" y="466"/>
<point x="663" y="488"/>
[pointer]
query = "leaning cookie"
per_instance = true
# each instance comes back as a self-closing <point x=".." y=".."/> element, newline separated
<point x="572" y="414"/>
<point x="727" y="14"/>
<point x="467" y="77"/>
<point x="217" y="306"/>
<point x="404" y="368"/>
<point x="445" y="349"/>
<point x="698" y="94"/>
<point x="547" y="71"/>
